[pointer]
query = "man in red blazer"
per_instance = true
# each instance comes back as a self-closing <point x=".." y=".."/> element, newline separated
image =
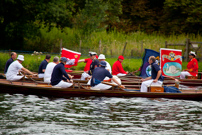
<point x="117" y="68"/>
<point x="192" y="67"/>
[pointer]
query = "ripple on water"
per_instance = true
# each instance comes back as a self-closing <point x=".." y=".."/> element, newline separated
<point x="21" y="114"/>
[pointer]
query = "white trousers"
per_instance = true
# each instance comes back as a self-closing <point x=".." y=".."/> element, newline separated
<point x="41" y="75"/>
<point x="117" y="79"/>
<point x="120" y="74"/>
<point x="101" y="87"/>
<point x="14" y="78"/>
<point x="147" y="83"/>
<point x="184" y="74"/>
<point x="47" y="80"/>
<point x="84" y="75"/>
<point x="63" y="84"/>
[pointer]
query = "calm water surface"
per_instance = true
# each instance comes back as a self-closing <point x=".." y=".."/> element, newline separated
<point x="20" y="114"/>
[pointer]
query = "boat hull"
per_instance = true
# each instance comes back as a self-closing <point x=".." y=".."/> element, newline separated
<point x="48" y="91"/>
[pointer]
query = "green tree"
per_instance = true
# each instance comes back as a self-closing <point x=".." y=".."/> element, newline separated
<point x="141" y="15"/>
<point x="21" y="19"/>
<point x="182" y="16"/>
<point x="91" y="17"/>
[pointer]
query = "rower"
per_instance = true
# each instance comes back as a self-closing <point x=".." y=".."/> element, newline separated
<point x="102" y="58"/>
<point x="49" y="69"/>
<point x="9" y="61"/>
<point x="57" y="79"/>
<point x="117" y="68"/>
<point x="88" y="62"/>
<point x="192" y="67"/>
<point x="98" y="76"/>
<point x="15" y="67"/>
<point x="43" y="65"/>
<point x="93" y="65"/>
<point x="156" y="77"/>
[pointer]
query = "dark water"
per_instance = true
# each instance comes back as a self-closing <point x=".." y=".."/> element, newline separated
<point x="20" y="114"/>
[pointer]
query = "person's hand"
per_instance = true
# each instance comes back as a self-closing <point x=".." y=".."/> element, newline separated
<point x="143" y="80"/>
<point x="34" y="75"/>
<point x="127" y="72"/>
<point x="121" y="86"/>
<point x="70" y="81"/>
<point x="176" y="80"/>
<point x="155" y="80"/>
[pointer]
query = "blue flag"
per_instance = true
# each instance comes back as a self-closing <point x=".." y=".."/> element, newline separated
<point x="146" y="68"/>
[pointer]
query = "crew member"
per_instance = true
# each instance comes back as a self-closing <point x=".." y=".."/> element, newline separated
<point x="117" y="68"/>
<point x="57" y="78"/>
<point x="93" y="65"/>
<point x="42" y="66"/>
<point x="15" y="67"/>
<point x="192" y="67"/>
<point x="98" y="76"/>
<point x="9" y="61"/>
<point x="102" y="58"/>
<point x="156" y="77"/>
<point x="49" y="69"/>
<point x="88" y="62"/>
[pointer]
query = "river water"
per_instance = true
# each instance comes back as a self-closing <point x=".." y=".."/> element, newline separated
<point x="20" y="114"/>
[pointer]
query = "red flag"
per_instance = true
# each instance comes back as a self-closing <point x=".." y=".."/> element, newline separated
<point x="72" y="57"/>
<point x="171" y="62"/>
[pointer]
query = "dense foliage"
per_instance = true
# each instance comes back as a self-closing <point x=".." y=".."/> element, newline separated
<point x="21" y="20"/>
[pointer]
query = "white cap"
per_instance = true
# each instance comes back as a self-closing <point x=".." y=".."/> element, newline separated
<point x="20" y="57"/>
<point x="92" y="53"/>
<point x="101" y="56"/>
<point x="192" y="53"/>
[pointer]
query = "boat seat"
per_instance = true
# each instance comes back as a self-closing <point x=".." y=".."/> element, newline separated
<point x="192" y="77"/>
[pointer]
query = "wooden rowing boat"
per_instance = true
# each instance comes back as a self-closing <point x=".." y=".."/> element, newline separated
<point x="41" y="89"/>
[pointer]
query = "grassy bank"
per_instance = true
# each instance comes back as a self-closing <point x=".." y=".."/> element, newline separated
<point x="112" y="43"/>
<point x="32" y="62"/>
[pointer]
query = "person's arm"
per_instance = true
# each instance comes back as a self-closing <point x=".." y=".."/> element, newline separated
<point x="27" y="71"/>
<point x="158" y="75"/>
<point x="82" y="60"/>
<point x="66" y="75"/>
<point x="148" y="78"/>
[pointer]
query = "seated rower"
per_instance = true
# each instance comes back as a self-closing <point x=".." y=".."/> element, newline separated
<point x="49" y="69"/>
<point x="156" y="77"/>
<point x="102" y="58"/>
<point x="92" y="65"/>
<point x="57" y="78"/>
<point x="15" y="67"/>
<point x="192" y="67"/>
<point x="98" y="76"/>
<point x="42" y="66"/>
<point x="9" y="61"/>
<point x="117" y="68"/>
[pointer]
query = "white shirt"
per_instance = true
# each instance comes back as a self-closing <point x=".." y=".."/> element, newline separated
<point x="49" y="70"/>
<point x="13" y="69"/>
<point x="108" y="67"/>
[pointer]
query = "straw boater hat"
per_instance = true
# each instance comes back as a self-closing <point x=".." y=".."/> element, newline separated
<point x="192" y="53"/>
<point x="20" y="57"/>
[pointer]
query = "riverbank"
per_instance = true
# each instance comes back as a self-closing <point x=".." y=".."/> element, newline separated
<point x="32" y="62"/>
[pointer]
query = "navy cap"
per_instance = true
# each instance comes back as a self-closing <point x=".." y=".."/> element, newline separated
<point x="64" y="59"/>
<point x="103" y="63"/>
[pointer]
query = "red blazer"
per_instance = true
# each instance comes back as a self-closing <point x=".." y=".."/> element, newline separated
<point x="192" y="67"/>
<point x="117" y="68"/>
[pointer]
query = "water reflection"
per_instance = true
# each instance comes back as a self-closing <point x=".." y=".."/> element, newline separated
<point x="21" y="114"/>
